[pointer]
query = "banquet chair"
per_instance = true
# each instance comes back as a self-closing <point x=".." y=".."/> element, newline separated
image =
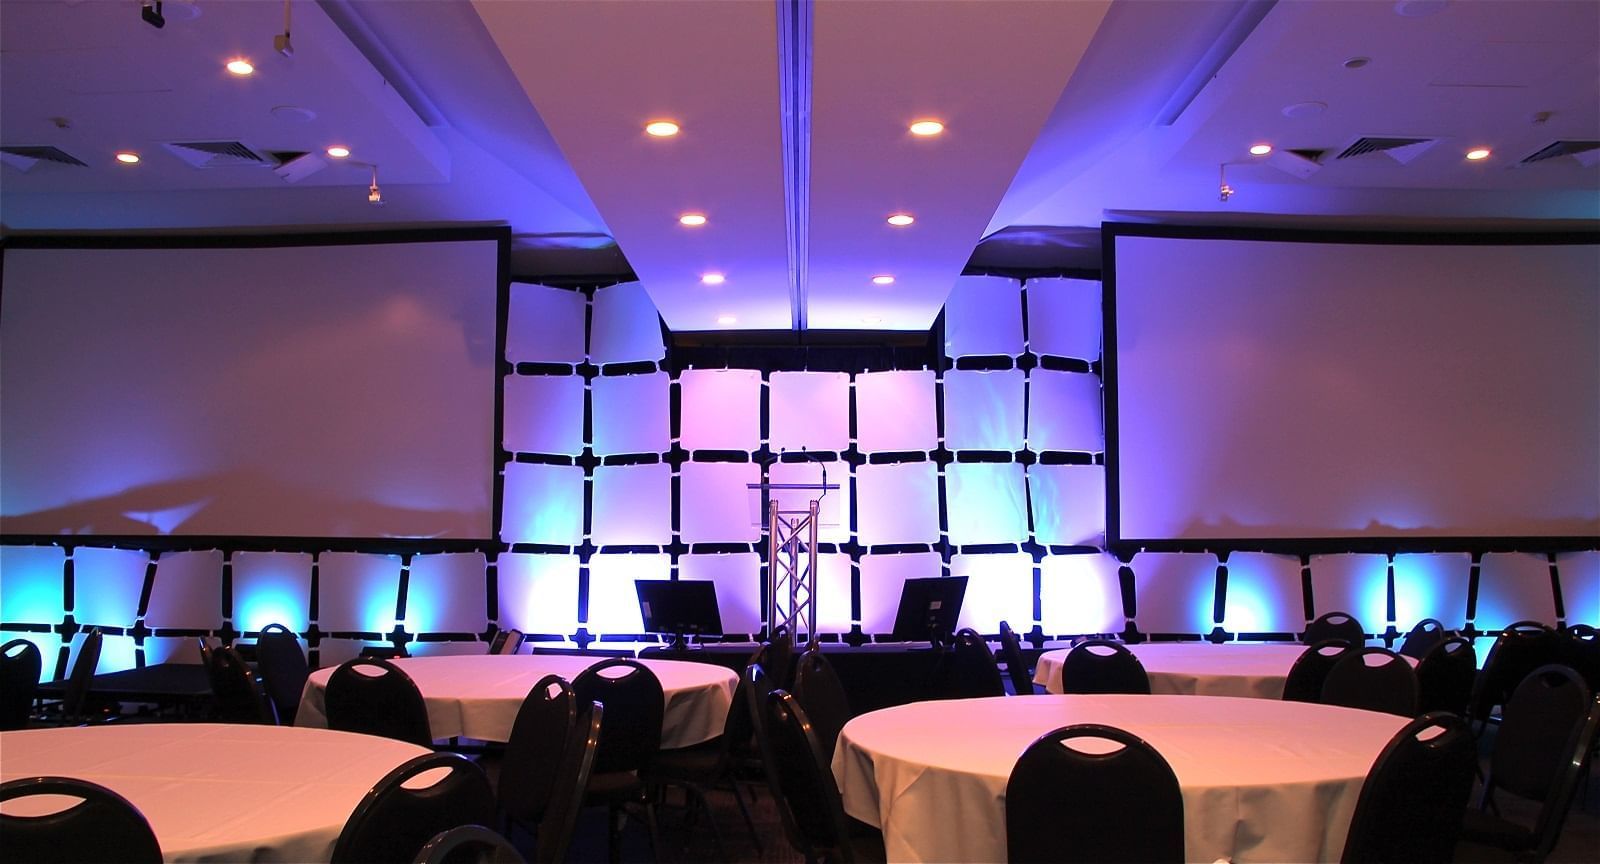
<point x="1580" y="649"/>
<point x="779" y="660"/>
<point x="1423" y="637"/>
<point x="820" y="692"/>
<point x="1372" y="679"/>
<point x="803" y="784"/>
<point x="376" y="697"/>
<point x="1103" y="666"/>
<point x="75" y="698"/>
<point x="572" y="782"/>
<point x="629" y="740"/>
<point x="1415" y="795"/>
<point x="1068" y="805"/>
<point x="968" y="669"/>
<point x="237" y="698"/>
<point x="1310" y="669"/>
<point x="283" y="669"/>
<point x="102" y="826"/>
<point x="20" y="667"/>
<point x="469" y="844"/>
<point x="1547" y="730"/>
<point x="397" y="818"/>
<point x="1445" y="675"/>
<point x="1016" y="661"/>
<point x="1334" y="625"/>
<point x="540" y="736"/>
<point x="506" y="642"/>
<point x="1521" y="648"/>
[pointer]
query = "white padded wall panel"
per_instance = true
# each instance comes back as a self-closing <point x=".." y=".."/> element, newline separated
<point x="898" y="503"/>
<point x="983" y="315"/>
<point x="332" y="652"/>
<point x="833" y="593"/>
<point x="1064" y="317"/>
<point x="630" y="414"/>
<point x="809" y="410"/>
<point x="999" y="588"/>
<point x="713" y="502"/>
<point x="538" y="593"/>
<point x="836" y="502"/>
<point x="31" y="585"/>
<point x="737" y="578"/>
<point x="106" y="585"/>
<point x="613" y="601"/>
<point x="632" y="505"/>
<point x="626" y="327"/>
<point x="1355" y="584"/>
<point x="271" y="587"/>
<point x="1064" y="411"/>
<point x="895" y="411"/>
<point x="543" y="504"/>
<point x="1080" y="594"/>
<point x="983" y="410"/>
<point x="1264" y="594"/>
<point x="1514" y="586"/>
<point x="1069" y="504"/>
<point x="1174" y="591"/>
<point x="882" y="577"/>
<point x="1580" y="586"/>
<point x="187" y="593"/>
<point x="986" y="503"/>
<point x="166" y="649"/>
<point x="544" y="414"/>
<point x="544" y="325"/>
<point x="446" y="649"/>
<point x="116" y="654"/>
<point x="357" y="592"/>
<point x="721" y="409"/>
<point x="447" y="594"/>
<point x="1431" y="585"/>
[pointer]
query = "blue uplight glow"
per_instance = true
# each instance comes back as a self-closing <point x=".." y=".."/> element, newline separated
<point x="30" y="584"/>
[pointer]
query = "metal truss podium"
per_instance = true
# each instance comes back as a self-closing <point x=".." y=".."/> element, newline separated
<point x="792" y="513"/>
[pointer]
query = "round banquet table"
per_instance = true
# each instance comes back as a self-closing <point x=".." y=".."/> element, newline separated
<point x="1262" y="780"/>
<point x="1198" y="668"/>
<point x="218" y="792"/>
<point x="477" y="695"/>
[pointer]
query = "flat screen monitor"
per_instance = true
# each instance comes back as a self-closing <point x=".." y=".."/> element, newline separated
<point x="679" y="607"/>
<point x="929" y="608"/>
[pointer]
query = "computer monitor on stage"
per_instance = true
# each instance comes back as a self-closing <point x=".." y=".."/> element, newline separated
<point x="929" y="609"/>
<point x="679" y="607"/>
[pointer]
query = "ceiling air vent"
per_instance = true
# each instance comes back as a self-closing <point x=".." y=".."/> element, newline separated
<point x="217" y="154"/>
<point x="23" y="158"/>
<point x="1402" y="150"/>
<point x="1583" y="151"/>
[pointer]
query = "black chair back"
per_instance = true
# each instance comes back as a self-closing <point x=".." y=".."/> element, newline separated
<point x="1580" y="649"/>
<point x="538" y="742"/>
<point x="969" y="670"/>
<point x="800" y="777"/>
<point x="102" y="826"/>
<point x="1445" y="675"/>
<point x="469" y="844"/>
<point x="779" y="660"/>
<point x="572" y="779"/>
<point x="1372" y="679"/>
<point x="1334" y="625"/>
<point x="506" y="642"/>
<point x="820" y="693"/>
<point x="634" y="708"/>
<point x="1103" y="666"/>
<point x="1310" y="669"/>
<point x="76" y="693"/>
<point x="376" y="697"/>
<point x="237" y="697"/>
<point x="1415" y="796"/>
<point x="1423" y="637"/>
<point x="1016" y="661"/>
<point x="283" y="669"/>
<point x="1521" y="648"/>
<point x="20" y="667"/>
<point x="1066" y="805"/>
<point x="395" y="821"/>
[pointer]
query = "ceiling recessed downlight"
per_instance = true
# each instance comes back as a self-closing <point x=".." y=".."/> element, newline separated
<point x="661" y="128"/>
<point x="926" y="128"/>
<point x="1356" y="62"/>
<point x="884" y="279"/>
<point x="712" y="278"/>
<point x="1478" y="154"/>
<point x="900" y="220"/>
<point x="1302" y="110"/>
<point x="1260" y="149"/>
<point x="725" y="320"/>
<point x="240" y="66"/>
<point x="693" y="220"/>
<point x="128" y="157"/>
<point x="338" y="152"/>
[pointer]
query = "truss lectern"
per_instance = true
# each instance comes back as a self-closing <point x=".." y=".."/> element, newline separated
<point x="792" y="513"/>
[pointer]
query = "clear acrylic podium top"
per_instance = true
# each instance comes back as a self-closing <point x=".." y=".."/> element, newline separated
<point x="795" y="498"/>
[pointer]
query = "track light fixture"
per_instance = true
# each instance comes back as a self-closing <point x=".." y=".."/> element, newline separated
<point x="280" y="41"/>
<point x="1224" y="191"/>
<point x="374" y="194"/>
<point x="150" y="11"/>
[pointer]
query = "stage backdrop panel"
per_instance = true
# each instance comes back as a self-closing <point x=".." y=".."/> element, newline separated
<point x="1431" y="585"/>
<point x="1064" y="317"/>
<point x="1175" y="591"/>
<point x="538" y="593"/>
<point x="1080" y="594"/>
<point x="1514" y="587"/>
<point x="271" y="588"/>
<point x="1264" y="594"/>
<point x="1355" y="584"/>
<point x="106" y="585"/>
<point x="894" y="411"/>
<point x="1580" y="586"/>
<point x="999" y="588"/>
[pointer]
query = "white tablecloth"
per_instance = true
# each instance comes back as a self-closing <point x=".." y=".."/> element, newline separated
<point x="477" y="695"/>
<point x="1198" y="668"/>
<point x="215" y="792"/>
<point x="1262" y="780"/>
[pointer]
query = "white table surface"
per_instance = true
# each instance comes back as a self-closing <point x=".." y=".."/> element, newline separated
<point x="218" y="792"/>
<point x="477" y="695"/>
<point x="1262" y="780"/>
<point x="1198" y="668"/>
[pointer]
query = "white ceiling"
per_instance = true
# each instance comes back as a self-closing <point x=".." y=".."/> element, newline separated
<point x="1059" y="115"/>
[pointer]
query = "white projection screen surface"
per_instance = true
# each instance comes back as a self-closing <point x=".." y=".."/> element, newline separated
<point x="325" y="391"/>
<point x="1294" y="390"/>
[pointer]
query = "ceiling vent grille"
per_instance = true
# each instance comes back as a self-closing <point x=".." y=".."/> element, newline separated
<point x="1562" y="148"/>
<point x="217" y="154"/>
<point x="23" y="158"/>
<point x="1402" y="150"/>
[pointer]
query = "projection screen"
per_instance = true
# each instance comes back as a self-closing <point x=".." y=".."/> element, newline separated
<point x="318" y="391"/>
<point x="1269" y="389"/>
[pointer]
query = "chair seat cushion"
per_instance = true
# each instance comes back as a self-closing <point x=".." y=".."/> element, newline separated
<point x="613" y="787"/>
<point x="699" y="763"/>
<point x="1490" y="830"/>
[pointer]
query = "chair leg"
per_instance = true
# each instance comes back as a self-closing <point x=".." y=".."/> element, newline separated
<point x="614" y="847"/>
<point x="698" y="798"/>
<point x="655" y="831"/>
<point x="755" y="836"/>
